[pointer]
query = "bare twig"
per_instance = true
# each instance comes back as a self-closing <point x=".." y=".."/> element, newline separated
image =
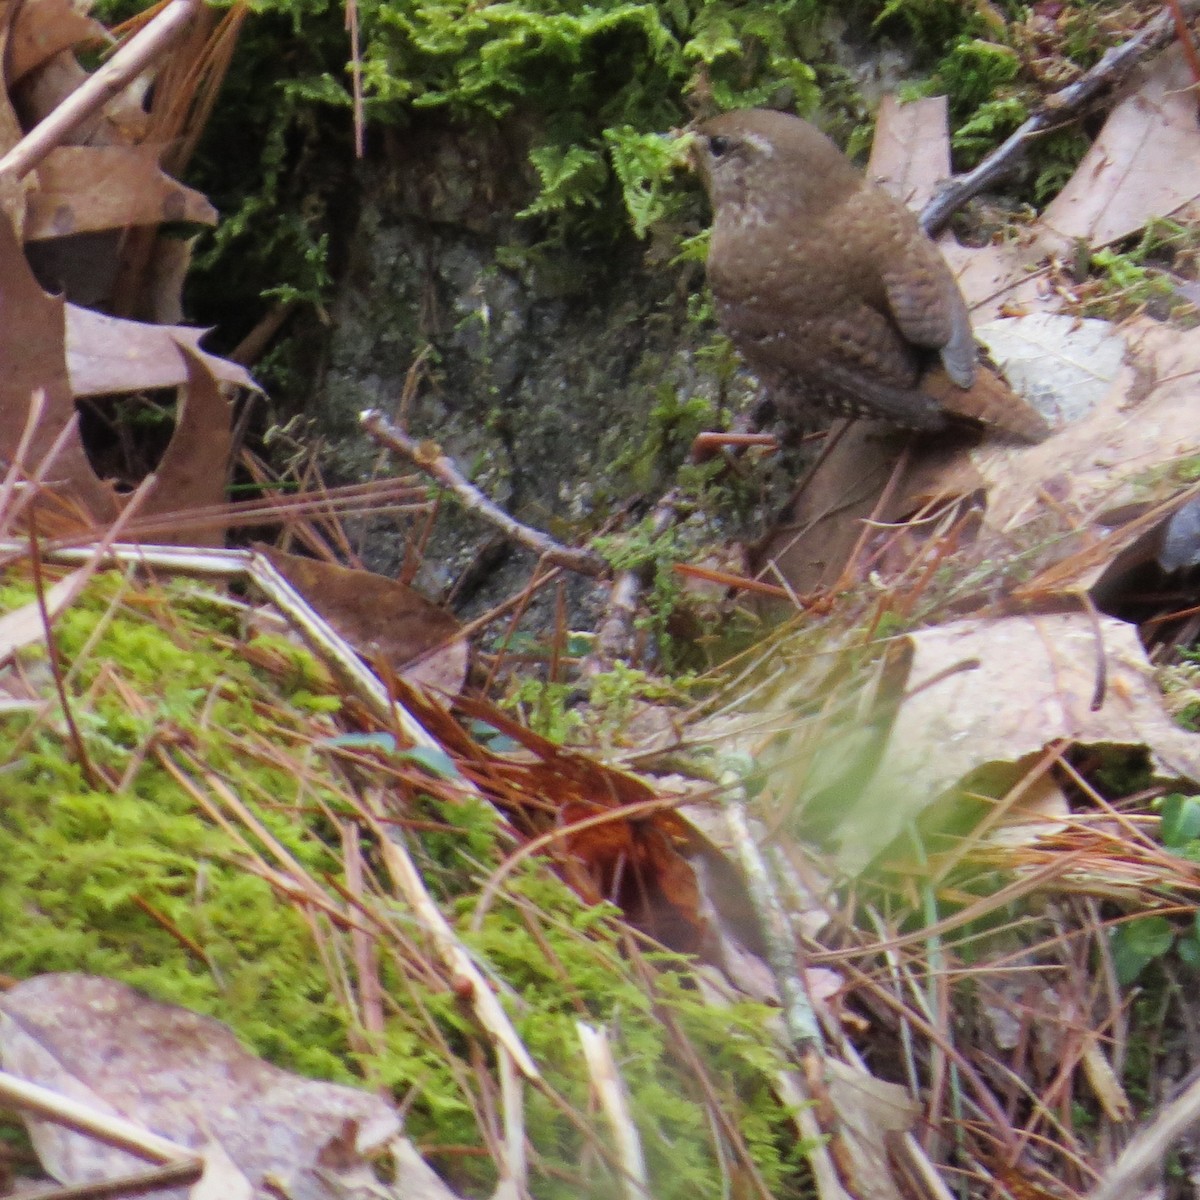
<point x="176" y="1175"/>
<point x="606" y="1080"/>
<point x="614" y="637"/>
<point x="1059" y="109"/>
<point x="801" y="1023"/>
<point x="328" y="645"/>
<point x="107" y="1127"/>
<point x="99" y="88"/>
<point x="429" y="457"/>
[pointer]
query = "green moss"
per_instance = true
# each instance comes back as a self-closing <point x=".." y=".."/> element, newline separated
<point x="132" y="877"/>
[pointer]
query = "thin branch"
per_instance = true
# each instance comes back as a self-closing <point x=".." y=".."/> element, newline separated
<point x="429" y="457"/>
<point x="803" y="1029"/>
<point x="614" y="637"/>
<point x="181" y="1174"/>
<point x="108" y="1128"/>
<point x="606" y="1082"/>
<point x="1059" y="109"/>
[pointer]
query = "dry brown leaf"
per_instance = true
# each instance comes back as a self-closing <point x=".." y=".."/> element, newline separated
<point x="31" y="358"/>
<point x="1145" y="163"/>
<point x="810" y="544"/>
<point x="122" y="121"/>
<point x="635" y="861"/>
<point x="186" y="1077"/>
<point x="193" y="471"/>
<point x="43" y="28"/>
<point x="169" y="263"/>
<point x="992" y="693"/>
<point x="85" y="189"/>
<point x="382" y="619"/>
<point x="107" y="355"/>
<point x="12" y="191"/>
<point x="910" y="155"/>
<point x="1102" y="460"/>
<point x="868" y="1111"/>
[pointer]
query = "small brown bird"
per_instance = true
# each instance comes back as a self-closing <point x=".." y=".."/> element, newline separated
<point x="828" y="287"/>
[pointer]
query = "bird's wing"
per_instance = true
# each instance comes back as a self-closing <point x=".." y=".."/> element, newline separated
<point x="854" y="360"/>
<point x="928" y="308"/>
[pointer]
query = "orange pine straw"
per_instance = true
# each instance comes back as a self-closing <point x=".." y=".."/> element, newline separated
<point x="727" y="579"/>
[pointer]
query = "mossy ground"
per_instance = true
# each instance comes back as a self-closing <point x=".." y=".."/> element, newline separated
<point x="177" y="859"/>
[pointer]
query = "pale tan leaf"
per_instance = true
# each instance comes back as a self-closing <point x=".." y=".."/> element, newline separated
<point x="107" y="355"/>
<point x="1063" y="365"/>
<point x="1002" y="278"/>
<point x="188" y="1078"/>
<point x="43" y="28"/>
<point x="221" y="1179"/>
<point x="990" y="693"/>
<point x="910" y="155"/>
<point x="85" y="189"/>
<point x="1144" y="164"/>
<point x="1146" y="417"/>
<point x="415" y="1178"/>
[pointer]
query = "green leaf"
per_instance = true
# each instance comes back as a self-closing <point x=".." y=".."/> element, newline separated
<point x="1180" y="820"/>
<point x="1138" y="943"/>
<point x="432" y="759"/>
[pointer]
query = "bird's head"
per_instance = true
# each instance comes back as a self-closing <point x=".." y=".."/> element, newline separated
<point x="759" y="165"/>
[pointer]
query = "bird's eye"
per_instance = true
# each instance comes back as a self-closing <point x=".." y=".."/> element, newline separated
<point x="719" y="145"/>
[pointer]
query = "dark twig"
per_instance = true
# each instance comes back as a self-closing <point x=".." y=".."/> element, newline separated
<point x="1059" y="109"/>
<point x="429" y="457"/>
<point x="1186" y="41"/>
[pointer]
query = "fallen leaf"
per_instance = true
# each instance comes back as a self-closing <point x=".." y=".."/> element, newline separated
<point x="1146" y="418"/>
<point x="32" y="358"/>
<point x="122" y="121"/>
<point x="193" y="469"/>
<point x="85" y="189"/>
<point x="13" y="191"/>
<point x="382" y="619"/>
<point x="636" y="862"/>
<point x="221" y="1179"/>
<point x="188" y="1079"/>
<point x="910" y="155"/>
<point x="1063" y="365"/>
<point x="991" y="694"/>
<point x="108" y="356"/>
<point x="1144" y="163"/>
<point x="1001" y="276"/>
<point x="810" y="543"/>
<point x="43" y="28"/>
<point x="868" y="1111"/>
